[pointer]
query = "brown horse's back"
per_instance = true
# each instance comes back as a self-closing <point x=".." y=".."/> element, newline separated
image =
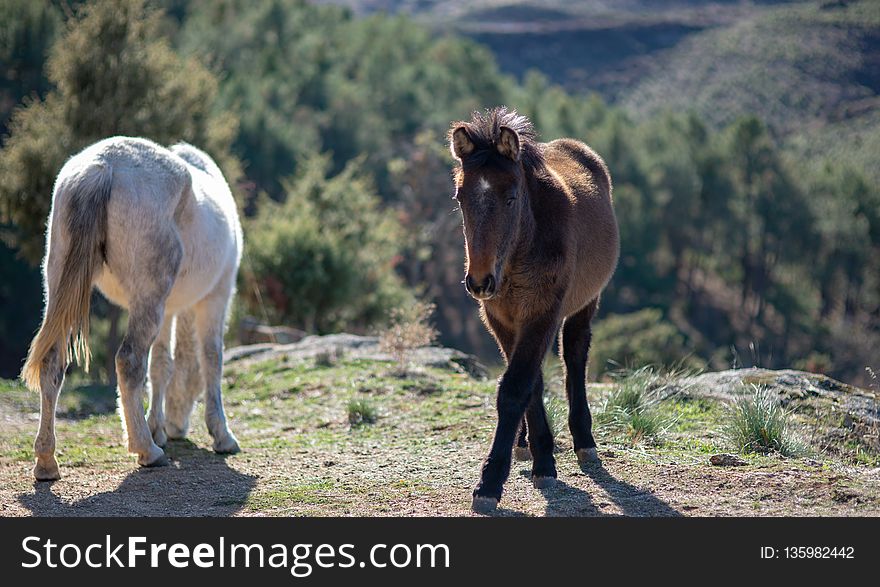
<point x="593" y="245"/>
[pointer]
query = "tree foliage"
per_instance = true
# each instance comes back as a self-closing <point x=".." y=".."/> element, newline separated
<point x="324" y="259"/>
<point x="112" y="74"/>
<point x="308" y="78"/>
<point x="734" y="247"/>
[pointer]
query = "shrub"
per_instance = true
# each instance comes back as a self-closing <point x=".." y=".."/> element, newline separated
<point x="324" y="259"/>
<point x="408" y="330"/>
<point x="639" y="338"/>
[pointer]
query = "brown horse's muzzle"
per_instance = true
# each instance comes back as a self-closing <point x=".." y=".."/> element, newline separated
<point x="483" y="289"/>
<point x="483" y="271"/>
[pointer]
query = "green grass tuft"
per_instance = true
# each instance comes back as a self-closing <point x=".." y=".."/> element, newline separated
<point x="757" y="423"/>
<point x="557" y="413"/>
<point x="633" y="405"/>
<point x="361" y="411"/>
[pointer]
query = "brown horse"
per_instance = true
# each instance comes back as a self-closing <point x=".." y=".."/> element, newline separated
<point x="541" y="242"/>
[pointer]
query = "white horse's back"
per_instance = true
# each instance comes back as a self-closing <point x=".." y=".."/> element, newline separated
<point x="178" y="195"/>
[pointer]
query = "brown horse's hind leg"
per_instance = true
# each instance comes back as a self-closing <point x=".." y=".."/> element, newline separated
<point x="576" y="336"/>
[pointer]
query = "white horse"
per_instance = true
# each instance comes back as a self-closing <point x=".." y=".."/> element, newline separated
<point x="157" y="231"/>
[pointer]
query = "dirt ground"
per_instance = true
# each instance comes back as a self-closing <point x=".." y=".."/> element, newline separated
<point x="421" y="457"/>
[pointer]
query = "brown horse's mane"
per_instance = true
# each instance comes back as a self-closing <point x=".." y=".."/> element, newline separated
<point x="484" y="130"/>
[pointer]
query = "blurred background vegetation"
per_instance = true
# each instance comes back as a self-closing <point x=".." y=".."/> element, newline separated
<point x="742" y="137"/>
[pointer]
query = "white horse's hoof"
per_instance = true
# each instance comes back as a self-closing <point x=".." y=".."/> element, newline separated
<point x="46" y="470"/>
<point x="155" y="458"/>
<point x="174" y="432"/>
<point x="522" y="453"/>
<point x="226" y="445"/>
<point x="587" y="456"/>
<point x="159" y="436"/>
<point x="543" y="482"/>
<point x="484" y="505"/>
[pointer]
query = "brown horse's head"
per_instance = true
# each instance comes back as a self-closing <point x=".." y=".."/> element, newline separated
<point x="495" y="150"/>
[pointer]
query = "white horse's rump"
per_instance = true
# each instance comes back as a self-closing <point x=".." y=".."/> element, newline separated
<point x="157" y="231"/>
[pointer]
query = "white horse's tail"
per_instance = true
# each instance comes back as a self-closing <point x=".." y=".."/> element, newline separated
<point x="66" y="321"/>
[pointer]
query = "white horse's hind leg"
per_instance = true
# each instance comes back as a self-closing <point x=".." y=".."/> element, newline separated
<point x="150" y="281"/>
<point x="51" y="378"/>
<point x="210" y="321"/>
<point x="186" y="382"/>
<point x="161" y="369"/>
<point x="131" y="371"/>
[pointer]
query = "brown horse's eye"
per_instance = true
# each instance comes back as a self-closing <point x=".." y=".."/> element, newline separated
<point x="510" y="200"/>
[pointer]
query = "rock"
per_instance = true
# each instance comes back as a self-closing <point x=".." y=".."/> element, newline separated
<point x="726" y="460"/>
<point x="250" y="331"/>
<point x="353" y="345"/>
<point x="859" y="408"/>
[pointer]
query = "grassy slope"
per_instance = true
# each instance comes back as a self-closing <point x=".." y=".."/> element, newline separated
<point x="421" y="457"/>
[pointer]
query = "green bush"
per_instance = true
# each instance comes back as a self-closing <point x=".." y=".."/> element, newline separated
<point x="637" y="339"/>
<point x="324" y="259"/>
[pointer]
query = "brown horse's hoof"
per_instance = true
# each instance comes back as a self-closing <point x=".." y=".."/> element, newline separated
<point x="484" y="505"/>
<point x="587" y="456"/>
<point x="522" y="453"/>
<point x="543" y="482"/>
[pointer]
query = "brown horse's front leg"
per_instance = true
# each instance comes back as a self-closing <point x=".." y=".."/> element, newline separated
<point x="514" y="393"/>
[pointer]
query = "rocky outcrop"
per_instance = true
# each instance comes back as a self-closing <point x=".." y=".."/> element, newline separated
<point x="795" y="389"/>
<point x="250" y="332"/>
<point x="839" y="413"/>
<point x="352" y="345"/>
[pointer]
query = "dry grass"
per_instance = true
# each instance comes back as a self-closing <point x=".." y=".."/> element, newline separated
<point x="409" y="329"/>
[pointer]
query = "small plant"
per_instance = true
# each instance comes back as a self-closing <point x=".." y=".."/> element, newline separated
<point x="633" y="405"/>
<point x="873" y="435"/>
<point x="328" y="358"/>
<point x="757" y="423"/>
<point x="409" y="329"/>
<point x="360" y="412"/>
<point x="557" y="413"/>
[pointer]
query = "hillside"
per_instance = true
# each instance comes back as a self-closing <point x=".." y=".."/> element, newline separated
<point x="811" y="69"/>
<point x="418" y="447"/>
<point x="597" y="46"/>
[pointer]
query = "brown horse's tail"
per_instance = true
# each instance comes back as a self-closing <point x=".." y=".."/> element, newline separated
<point x="83" y="198"/>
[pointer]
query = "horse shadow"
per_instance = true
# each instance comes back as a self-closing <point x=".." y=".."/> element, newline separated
<point x="197" y="482"/>
<point x="567" y="500"/>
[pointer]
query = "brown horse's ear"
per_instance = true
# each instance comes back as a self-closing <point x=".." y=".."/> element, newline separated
<point x="508" y="143"/>
<point x="460" y="143"/>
